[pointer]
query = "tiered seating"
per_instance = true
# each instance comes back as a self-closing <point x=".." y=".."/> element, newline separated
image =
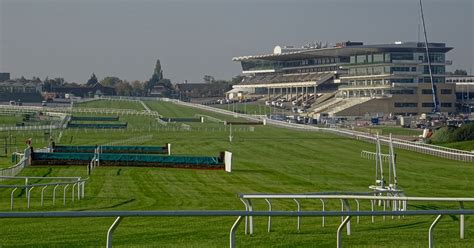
<point x="286" y="78"/>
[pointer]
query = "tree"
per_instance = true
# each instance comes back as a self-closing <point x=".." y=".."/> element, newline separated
<point x="123" y="88"/>
<point x="155" y="78"/>
<point x="93" y="80"/>
<point x="208" y="79"/>
<point x="110" y="81"/>
<point x="137" y="88"/>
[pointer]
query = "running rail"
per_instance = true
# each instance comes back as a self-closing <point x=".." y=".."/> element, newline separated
<point x="347" y="215"/>
<point x="396" y="203"/>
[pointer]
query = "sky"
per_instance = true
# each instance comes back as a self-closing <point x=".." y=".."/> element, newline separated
<point x="124" y="38"/>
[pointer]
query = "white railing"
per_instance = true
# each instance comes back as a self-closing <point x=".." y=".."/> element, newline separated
<point x="17" y="168"/>
<point x="75" y="183"/>
<point x="346" y="215"/>
<point x="391" y="203"/>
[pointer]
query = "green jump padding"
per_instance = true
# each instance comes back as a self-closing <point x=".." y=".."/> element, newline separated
<point x="113" y="149"/>
<point x="96" y="125"/>
<point x="128" y="158"/>
<point x="94" y="118"/>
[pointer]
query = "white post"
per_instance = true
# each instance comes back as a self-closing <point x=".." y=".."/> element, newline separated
<point x="228" y="161"/>
<point x="111" y="231"/>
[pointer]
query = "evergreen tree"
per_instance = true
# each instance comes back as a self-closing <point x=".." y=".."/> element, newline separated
<point x="93" y="80"/>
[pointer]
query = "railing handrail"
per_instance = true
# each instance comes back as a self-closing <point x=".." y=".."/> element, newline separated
<point x="223" y="213"/>
<point x="42" y="184"/>
<point x="357" y="197"/>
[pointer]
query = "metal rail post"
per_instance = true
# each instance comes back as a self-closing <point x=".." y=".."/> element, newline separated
<point x="28" y="196"/>
<point x="249" y="202"/>
<point x="246" y="217"/>
<point x="299" y="217"/>
<point x="54" y="193"/>
<point x="461" y="221"/>
<point x="72" y="192"/>
<point x="269" y="217"/>
<point x="42" y="195"/>
<point x="430" y="232"/>
<point x="64" y="197"/>
<point x="11" y="198"/>
<point x="339" y="229"/>
<point x="111" y="230"/>
<point x="324" y="209"/>
<point x="232" y="232"/>
<point x="358" y="209"/>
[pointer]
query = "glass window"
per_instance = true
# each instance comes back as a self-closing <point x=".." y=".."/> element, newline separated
<point x="387" y="58"/>
<point x="402" y="56"/>
<point x="426" y="91"/>
<point x="369" y="58"/>
<point x="446" y="92"/>
<point x="427" y="105"/>
<point x="361" y="59"/>
<point x="446" y="104"/>
<point x="413" y="69"/>
<point x="378" y="58"/>
<point x="406" y="104"/>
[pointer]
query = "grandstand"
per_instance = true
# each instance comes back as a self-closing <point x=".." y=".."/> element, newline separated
<point x="354" y="79"/>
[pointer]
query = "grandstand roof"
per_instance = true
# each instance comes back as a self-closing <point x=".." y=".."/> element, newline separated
<point x="348" y="51"/>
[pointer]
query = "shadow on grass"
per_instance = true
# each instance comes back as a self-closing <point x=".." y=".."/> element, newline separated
<point x="109" y="207"/>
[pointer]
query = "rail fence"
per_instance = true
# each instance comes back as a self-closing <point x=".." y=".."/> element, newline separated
<point x="346" y="215"/>
<point x="17" y="168"/>
<point x="75" y="183"/>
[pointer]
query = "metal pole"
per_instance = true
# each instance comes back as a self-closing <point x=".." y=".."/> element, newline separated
<point x="339" y="229"/>
<point x="72" y="192"/>
<point x="111" y="231"/>
<point x="358" y="209"/>
<point x="322" y="201"/>
<point x="11" y="198"/>
<point x="299" y="217"/>
<point x="42" y="195"/>
<point x="246" y="217"/>
<point x="269" y="217"/>
<point x="28" y="195"/>
<point x="250" y="217"/>
<point x="54" y="193"/>
<point x="461" y="222"/>
<point x="64" y="198"/>
<point x="232" y="231"/>
<point x="430" y="232"/>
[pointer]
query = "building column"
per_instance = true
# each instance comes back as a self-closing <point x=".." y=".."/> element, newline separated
<point x="291" y="92"/>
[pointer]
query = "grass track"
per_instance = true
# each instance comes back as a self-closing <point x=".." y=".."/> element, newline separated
<point x="269" y="160"/>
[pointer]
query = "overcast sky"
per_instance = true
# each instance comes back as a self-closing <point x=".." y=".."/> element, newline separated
<point x="74" y="38"/>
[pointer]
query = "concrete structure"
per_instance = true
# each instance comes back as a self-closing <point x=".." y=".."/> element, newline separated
<point x="464" y="85"/>
<point x="353" y="79"/>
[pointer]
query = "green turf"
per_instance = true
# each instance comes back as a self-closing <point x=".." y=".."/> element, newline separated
<point x="111" y="104"/>
<point x="268" y="160"/>
<point x="462" y="145"/>
<point x="385" y="130"/>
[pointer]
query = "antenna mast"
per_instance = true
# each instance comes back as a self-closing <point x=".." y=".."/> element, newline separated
<point x="433" y="86"/>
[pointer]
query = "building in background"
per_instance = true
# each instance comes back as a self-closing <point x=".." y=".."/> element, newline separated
<point x="4" y="76"/>
<point x="352" y="79"/>
<point x="21" y="90"/>
<point x="464" y="86"/>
